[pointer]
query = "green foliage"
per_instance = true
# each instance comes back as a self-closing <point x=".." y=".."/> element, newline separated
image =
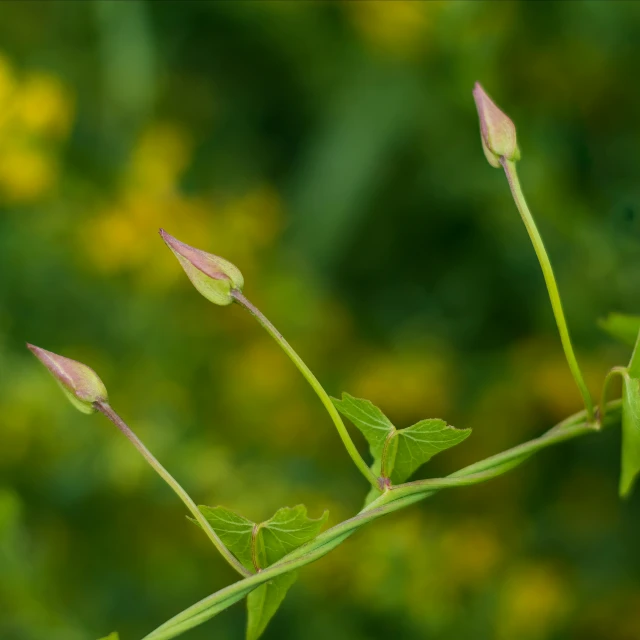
<point x="622" y="327"/>
<point x="317" y="143"/>
<point x="630" y="433"/>
<point x="259" y="545"/>
<point x="630" y="423"/>
<point x="373" y="424"/>
<point x="263" y="602"/>
<point x="398" y="453"/>
<point x="419" y="443"/>
<point x="111" y="636"/>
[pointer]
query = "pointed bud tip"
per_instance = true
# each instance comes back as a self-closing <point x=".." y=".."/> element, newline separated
<point x="497" y="131"/>
<point x="214" y="277"/>
<point x="80" y="383"/>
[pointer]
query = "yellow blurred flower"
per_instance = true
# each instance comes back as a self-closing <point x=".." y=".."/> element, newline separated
<point x="26" y="174"/>
<point x="405" y="385"/>
<point x="160" y="157"/>
<point x="44" y="105"/>
<point x="399" y="27"/>
<point x="7" y="89"/>
<point x="35" y="113"/>
<point x="123" y="235"/>
<point x="535" y="599"/>
<point x="471" y="551"/>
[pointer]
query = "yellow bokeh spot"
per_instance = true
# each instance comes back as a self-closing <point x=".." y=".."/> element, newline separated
<point x="35" y="112"/>
<point x="472" y="552"/>
<point x="44" y="106"/>
<point x="160" y="157"/>
<point x="7" y="89"/>
<point x="264" y="370"/>
<point x="26" y="174"/>
<point x="535" y="599"/>
<point x="398" y="27"/>
<point x="405" y="385"/>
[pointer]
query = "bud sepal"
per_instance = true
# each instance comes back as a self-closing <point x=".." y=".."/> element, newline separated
<point x="79" y="382"/>
<point x="214" y="277"/>
<point x="497" y="131"/>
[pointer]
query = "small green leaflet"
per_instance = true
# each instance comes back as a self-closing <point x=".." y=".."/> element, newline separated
<point x="397" y="453"/>
<point x="623" y="327"/>
<point x="263" y="602"/>
<point x="419" y="443"/>
<point x="375" y="426"/>
<point x="630" y="423"/>
<point x="235" y="531"/>
<point x="112" y="636"/>
<point x="259" y="545"/>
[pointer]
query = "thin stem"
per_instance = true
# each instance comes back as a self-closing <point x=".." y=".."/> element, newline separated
<point x="622" y="372"/>
<point x="394" y="499"/>
<point x="106" y="409"/>
<point x="315" y="385"/>
<point x="549" y="278"/>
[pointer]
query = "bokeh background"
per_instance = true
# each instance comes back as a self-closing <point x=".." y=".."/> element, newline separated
<point x="331" y="151"/>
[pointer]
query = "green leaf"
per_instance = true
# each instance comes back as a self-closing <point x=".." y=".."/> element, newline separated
<point x="235" y="531"/>
<point x="630" y="423"/>
<point x="288" y="529"/>
<point x="263" y="602"/>
<point x="397" y="453"/>
<point x="623" y="327"/>
<point x="373" y="424"/>
<point x="419" y="443"/>
<point x="259" y="545"/>
<point x="630" y="434"/>
<point x="112" y="636"/>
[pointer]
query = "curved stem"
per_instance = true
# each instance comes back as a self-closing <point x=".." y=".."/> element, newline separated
<point x="549" y="278"/>
<point x="106" y="409"/>
<point x="394" y="499"/>
<point x="315" y="385"/>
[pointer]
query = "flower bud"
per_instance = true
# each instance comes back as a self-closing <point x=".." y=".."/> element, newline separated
<point x="79" y="382"/>
<point x="497" y="131"/>
<point x="215" y="278"/>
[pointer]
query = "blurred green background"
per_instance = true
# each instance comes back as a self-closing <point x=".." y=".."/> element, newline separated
<point x="332" y="152"/>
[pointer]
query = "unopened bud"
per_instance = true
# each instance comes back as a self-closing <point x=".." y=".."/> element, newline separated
<point x="497" y="131"/>
<point x="215" y="278"/>
<point x="80" y="383"/>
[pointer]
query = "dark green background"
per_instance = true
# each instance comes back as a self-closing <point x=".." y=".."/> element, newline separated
<point x="332" y="152"/>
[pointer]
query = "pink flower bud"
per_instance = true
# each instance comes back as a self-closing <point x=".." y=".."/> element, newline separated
<point x="497" y="131"/>
<point x="80" y="383"/>
<point x="214" y="277"/>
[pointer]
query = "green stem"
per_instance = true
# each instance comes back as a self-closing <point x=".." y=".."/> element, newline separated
<point x="392" y="500"/>
<point x="106" y="409"/>
<point x="315" y="385"/>
<point x="549" y="278"/>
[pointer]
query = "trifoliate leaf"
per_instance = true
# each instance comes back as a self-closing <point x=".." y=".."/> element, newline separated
<point x="397" y="453"/>
<point x="623" y="327"/>
<point x="630" y="423"/>
<point x="259" y="545"/>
